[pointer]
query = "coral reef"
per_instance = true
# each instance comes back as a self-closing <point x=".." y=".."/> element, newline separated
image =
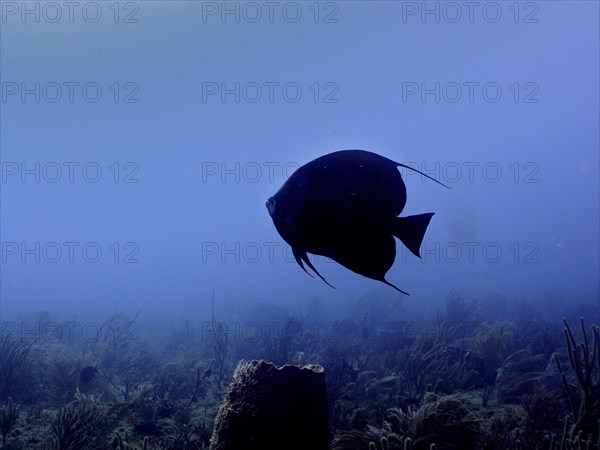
<point x="475" y="374"/>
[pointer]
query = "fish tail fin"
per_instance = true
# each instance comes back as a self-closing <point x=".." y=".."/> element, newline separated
<point x="411" y="231"/>
<point x="302" y="256"/>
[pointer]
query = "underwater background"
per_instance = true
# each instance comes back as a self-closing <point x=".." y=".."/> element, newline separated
<point x="140" y="140"/>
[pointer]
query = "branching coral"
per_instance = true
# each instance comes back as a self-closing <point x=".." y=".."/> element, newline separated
<point x="585" y="364"/>
<point x="574" y="439"/>
<point x="128" y="368"/>
<point x="9" y="413"/>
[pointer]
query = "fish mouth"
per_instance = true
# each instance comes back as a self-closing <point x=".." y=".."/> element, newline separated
<point x="270" y="204"/>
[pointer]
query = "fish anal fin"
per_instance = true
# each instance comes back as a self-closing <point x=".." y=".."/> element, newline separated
<point x="411" y="231"/>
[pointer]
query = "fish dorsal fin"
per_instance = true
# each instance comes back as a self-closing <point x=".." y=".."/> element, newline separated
<point x="424" y="174"/>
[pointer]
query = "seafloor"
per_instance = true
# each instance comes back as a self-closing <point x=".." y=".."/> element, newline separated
<point x="471" y="374"/>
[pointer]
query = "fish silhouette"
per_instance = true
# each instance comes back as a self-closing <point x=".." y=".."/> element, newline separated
<point x="345" y="206"/>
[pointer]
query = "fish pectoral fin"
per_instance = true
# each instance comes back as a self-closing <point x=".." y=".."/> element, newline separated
<point x="302" y="256"/>
<point x="299" y="255"/>
<point x="309" y="264"/>
<point x="397" y="288"/>
<point x="411" y="231"/>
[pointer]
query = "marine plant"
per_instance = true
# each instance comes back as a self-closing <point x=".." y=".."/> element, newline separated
<point x="145" y="415"/>
<point x="544" y="413"/>
<point x="505" y="427"/>
<point x="62" y="374"/>
<point x="221" y="346"/>
<point x="128" y="367"/>
<point x="199" y="388"/>
<point x="458" y="310"/>
<point x="539" y="337"/>
<point x="518" y="375"/>
<point x="372" y="438"/>
<point x="121" y="442"/>
<point x="74" y="424"/>
<point x="183" y="438"/>
<point x="443" y="421"/>
<point x="493" y="343"/>
<point x="278" y="348"/>
<point x="338" y="374"/>
<point x="13" y="364"/>
<point x="175" y="382"/>
<point x="436" y="359"/>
